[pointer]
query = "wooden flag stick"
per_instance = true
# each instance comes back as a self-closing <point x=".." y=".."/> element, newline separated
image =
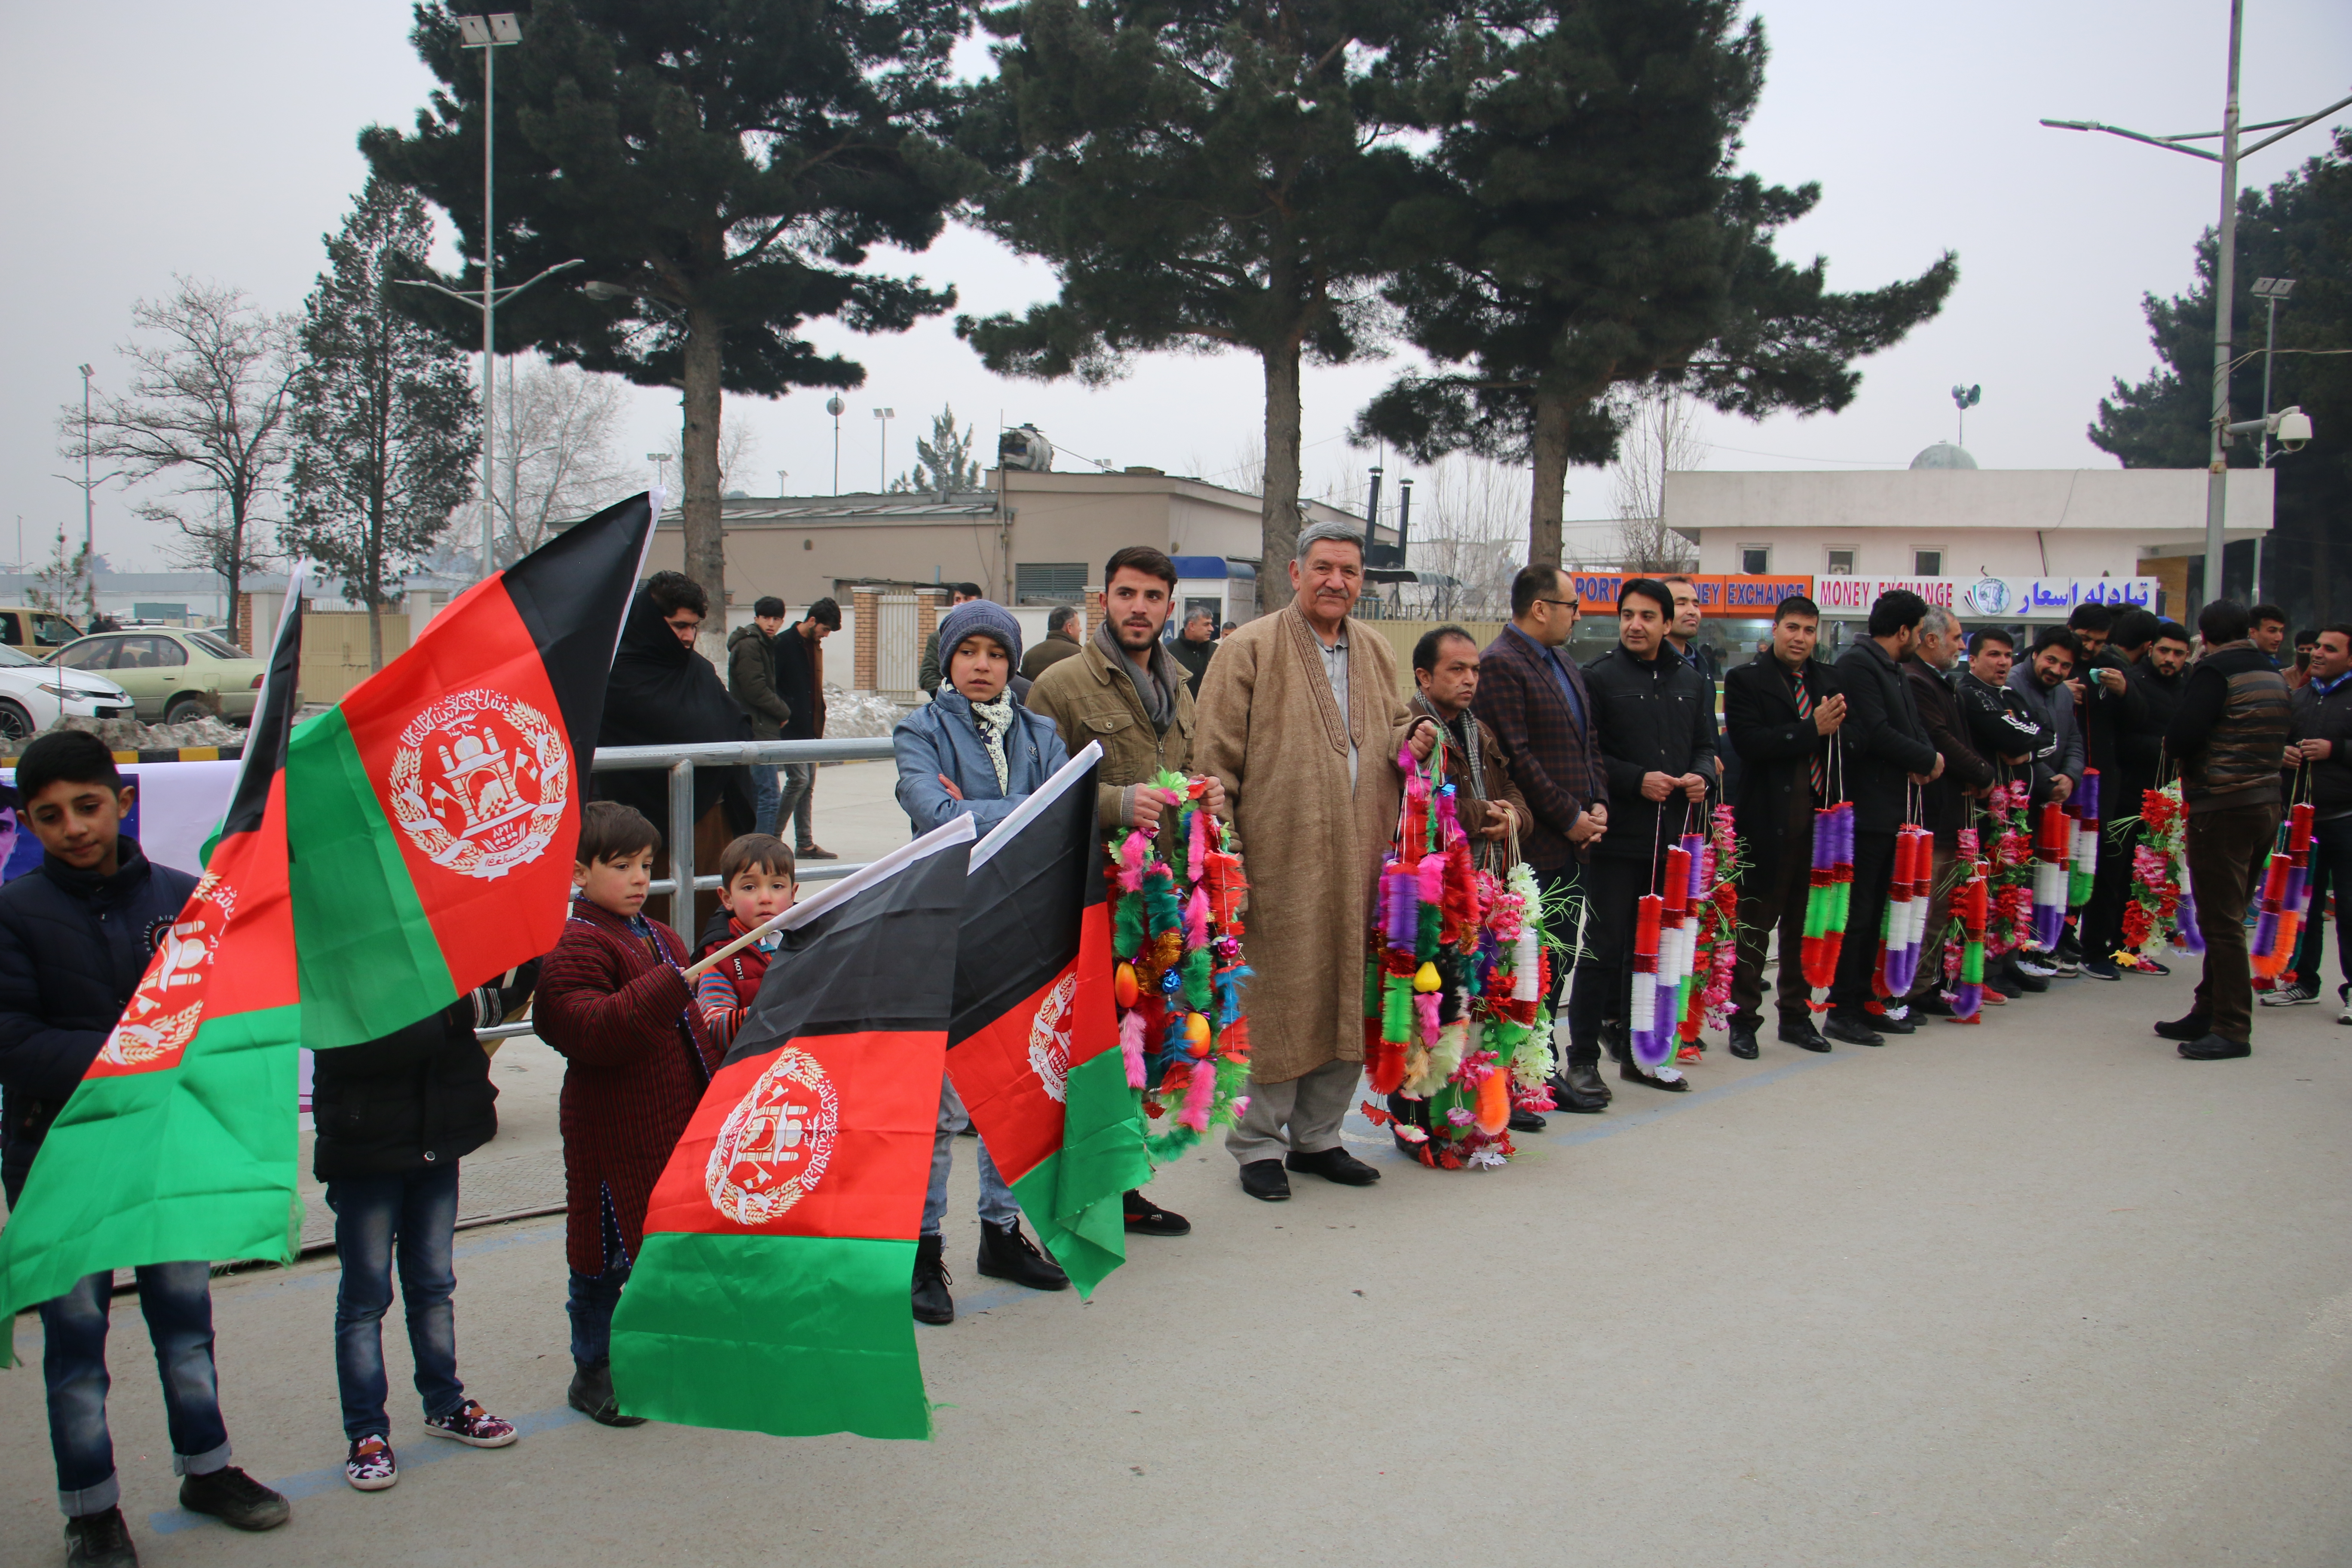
<point x="737" y="945"/>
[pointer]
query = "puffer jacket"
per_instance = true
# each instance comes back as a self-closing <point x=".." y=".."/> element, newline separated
<point x="2328" y="717"/>
<point x="419" y="1100"/>
<point x="751" y="681"/>
<point x="73" y="947"/>
<point x="2230" y="730"/>
<point x="1087" y="698"/>
<point x="940" y="739"/>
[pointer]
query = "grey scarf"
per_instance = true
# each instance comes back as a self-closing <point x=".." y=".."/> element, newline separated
<point x="1157" y="693"/>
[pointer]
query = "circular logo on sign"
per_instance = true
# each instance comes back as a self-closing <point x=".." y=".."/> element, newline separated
<point x="480" y="781"/>
<point x="772" y="1148"/>
<point x="1988" y="597"/>
<point x="1049" y="1037"/>
<point x="169" y="1003"/>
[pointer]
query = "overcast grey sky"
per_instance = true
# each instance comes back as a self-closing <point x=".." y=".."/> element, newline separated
<point x="217" y="141"/>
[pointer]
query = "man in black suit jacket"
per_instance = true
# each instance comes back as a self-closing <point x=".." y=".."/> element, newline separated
<point x="1780" y="710"/>
<point x="1886" y="752"/>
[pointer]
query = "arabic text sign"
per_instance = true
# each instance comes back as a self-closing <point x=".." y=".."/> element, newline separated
<point x="1990" y="598"/>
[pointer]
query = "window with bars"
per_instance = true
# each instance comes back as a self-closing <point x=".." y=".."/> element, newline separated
<point x="1049" y="583"/>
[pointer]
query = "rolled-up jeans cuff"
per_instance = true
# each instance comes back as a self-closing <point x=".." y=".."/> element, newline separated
<point x="91" y="1499"/>
<point x="204" y="1464"/>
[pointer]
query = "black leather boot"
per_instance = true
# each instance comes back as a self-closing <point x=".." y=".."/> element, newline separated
<point x="932" y="1303"/>
<point x="1006" y="1253"/>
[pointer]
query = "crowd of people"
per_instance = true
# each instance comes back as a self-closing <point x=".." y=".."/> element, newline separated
<point x="1296" y="728"/>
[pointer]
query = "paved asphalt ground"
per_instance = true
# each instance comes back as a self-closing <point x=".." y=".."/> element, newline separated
<point x="2033" y="1292"/>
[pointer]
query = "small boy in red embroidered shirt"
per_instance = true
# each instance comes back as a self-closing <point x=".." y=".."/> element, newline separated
<point x="614" y="1000"/>
<point x="755" y="885"/>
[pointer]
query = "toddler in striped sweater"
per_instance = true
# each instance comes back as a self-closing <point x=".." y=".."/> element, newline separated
<point x="755" y="885"/>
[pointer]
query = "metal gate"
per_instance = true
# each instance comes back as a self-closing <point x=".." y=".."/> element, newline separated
<point x="897" y="657"/>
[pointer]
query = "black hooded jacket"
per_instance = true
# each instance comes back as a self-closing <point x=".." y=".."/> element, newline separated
<point x="663" y="693"/>
<point x="420" y="1098"/>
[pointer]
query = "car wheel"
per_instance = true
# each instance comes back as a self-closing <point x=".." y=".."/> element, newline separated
<point x="15" y="725"/>
<point x="184" y="710"/>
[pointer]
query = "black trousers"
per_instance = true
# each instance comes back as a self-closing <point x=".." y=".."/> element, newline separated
<point x="1561" y="945"/>
<point x="1604" y="971"/>
<point x="1770" y="901"/>
<point x="1874" y="867"/>
<point x="2101" y="927"/>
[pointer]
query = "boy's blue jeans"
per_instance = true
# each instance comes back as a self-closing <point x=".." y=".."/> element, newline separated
<point x="594" y="1296"/>
<point x="996" y="1204"/>
<point x="418" y="1215"/>
<point x="177" y="1300"/>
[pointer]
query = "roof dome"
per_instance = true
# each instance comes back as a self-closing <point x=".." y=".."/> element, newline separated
<point x="1944" y="455"/>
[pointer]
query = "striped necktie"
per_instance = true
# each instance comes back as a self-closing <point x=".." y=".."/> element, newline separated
<point x="1804" y="715"/>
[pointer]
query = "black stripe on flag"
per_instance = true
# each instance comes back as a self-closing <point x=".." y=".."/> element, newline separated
<point x="572" y="593"/>
<point x="1032" y="880"/>
<point x="273" y="715"/>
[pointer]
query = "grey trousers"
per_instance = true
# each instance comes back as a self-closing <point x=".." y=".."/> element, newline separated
<point x="1312" y="1106"/>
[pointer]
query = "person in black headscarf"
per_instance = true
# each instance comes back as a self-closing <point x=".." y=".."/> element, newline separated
<point x="663" y="693"/>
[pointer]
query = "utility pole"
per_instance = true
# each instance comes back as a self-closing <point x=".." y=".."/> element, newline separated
<point x="2271" y="290"/>
<point x="882" y="483"/>
<point x="2225" y="262"/>
<point x="661" y="462"/>
<point x="834" y="406"/>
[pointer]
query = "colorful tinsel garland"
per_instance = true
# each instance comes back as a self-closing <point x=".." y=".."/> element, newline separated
<point x="1971" y="906"/>
<point x="1831" y="894"/>
<point x="1176" y="931"/>
<point x="2286" y="900"/>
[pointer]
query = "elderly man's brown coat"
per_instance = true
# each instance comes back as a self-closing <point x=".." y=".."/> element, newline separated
<point x="1267" y="726"/>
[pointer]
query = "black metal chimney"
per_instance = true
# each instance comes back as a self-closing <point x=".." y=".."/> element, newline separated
<point x="1404" y="521"/>
<point x="1373" y="515"/>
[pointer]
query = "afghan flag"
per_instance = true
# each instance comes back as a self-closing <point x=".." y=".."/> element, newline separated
<point x="179" y="1144"/>
<point x="432" y="813"/>
<point x="771" y="1293"/>
<point x="1033" y="1044"/>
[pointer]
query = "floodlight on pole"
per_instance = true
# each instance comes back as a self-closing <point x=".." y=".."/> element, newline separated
<point x="885" y="415"/>
<point x="2224" y="265"/>
<point x="835" y="406"/>
<point x="661" y="462"/>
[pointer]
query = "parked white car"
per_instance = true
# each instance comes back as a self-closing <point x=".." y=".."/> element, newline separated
<point x="34" y="693"/>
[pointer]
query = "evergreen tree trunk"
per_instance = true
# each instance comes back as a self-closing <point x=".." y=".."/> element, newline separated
<point x="1554" y="408"/>
<point x="706" y="554"/>
<point x="1278" y="507"/>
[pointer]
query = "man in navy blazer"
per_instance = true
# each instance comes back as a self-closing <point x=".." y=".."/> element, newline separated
<point x="1534" y="698"/>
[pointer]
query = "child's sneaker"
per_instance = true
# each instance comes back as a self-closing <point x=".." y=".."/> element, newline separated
<point x="100" y="1540"/>
<point x="370" y="1468"/>
<point x="471" y="1425"/>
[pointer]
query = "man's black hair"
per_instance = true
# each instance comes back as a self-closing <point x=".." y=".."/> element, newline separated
<point x="965" y="590"/>
<point x="73" y="756"/>
<point x="674" y="591"/>
<point x="770" y="606"/>
<point x="1795" y="604"/>
<point x="2224" y="620"/>
<point x="1141" y="558"/>
<point x="826" y="614"/>
<point x="1897" y="610"/>
<point x="2133" y="628"/>
<point x="1540" y="580"/>
<point x="2309" y="637"/>
<point x="2261" y="613"/>
<point x="2091" y="618"/>
<point x="1649" y="589"/>
<point x="1983" y="635"/>
<point x="1425" y="652"/>
<point x="2058" y="636"/>
<point x="2172" y="631"/>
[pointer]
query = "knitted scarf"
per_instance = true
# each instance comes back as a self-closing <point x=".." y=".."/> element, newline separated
<point x="993" y="720"/>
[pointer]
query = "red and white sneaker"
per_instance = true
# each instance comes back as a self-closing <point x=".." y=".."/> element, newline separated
<point x="471" y="1425"/>
<point x="370" y="1468"/>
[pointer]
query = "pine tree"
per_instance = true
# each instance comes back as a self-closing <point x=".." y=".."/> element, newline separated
<point x="1582" y="234"/>
<point x="386" y="424"/>
<point x="2300" y="228"/>
<point x="1201" y="178"/>
<point x="727" y="165"/>
<point x="944" y="463"/>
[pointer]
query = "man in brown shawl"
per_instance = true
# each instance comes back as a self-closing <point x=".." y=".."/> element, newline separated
<point x="1299" y="718"/>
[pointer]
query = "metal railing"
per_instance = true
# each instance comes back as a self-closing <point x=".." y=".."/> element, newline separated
<point x="680" y="763"/>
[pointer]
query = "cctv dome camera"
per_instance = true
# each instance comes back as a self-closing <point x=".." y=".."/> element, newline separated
<point x="2294" y="428"/>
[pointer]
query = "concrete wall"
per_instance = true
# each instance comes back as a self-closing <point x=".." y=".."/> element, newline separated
<point x="1996" y="522"/>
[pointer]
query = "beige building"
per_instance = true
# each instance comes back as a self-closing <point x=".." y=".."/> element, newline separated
<point x="1028" y="539"/>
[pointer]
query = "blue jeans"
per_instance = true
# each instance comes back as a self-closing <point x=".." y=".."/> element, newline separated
<point x="177" y="1300"/>
<point x="373" y="1215"/>
<point x="765" y="795"/>
<point x="796" y="802"/>
<point x="996" y="1204"/>
<point x="594" y="1296"/>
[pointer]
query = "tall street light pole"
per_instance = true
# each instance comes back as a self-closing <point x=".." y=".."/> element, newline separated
<point x="2225" y="262"/>
<point x="882" y="482"/>
<point x="834" y="406"/>
<point x="2271" y="290"/>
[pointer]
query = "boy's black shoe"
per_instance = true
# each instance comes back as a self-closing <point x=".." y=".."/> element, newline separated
<point x="233" y="1498"/>
<point x="1263" y="1180"/>
<point x="1332" y="1165"/>
<point x="2192" y="1027"/>
<point x="1006" y="1253"/>
<point x="1145" y="1217"/>
<point x="100" y="1540"/>
<point x="932" y="1303"/>
<point x="2214" y="1048"/>
<point x="591" y="1394"/>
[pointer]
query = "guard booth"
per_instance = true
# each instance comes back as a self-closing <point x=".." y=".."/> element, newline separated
<point x="1227" y="588"/>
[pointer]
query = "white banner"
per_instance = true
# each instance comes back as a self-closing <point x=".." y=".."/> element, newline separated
<point x="1990" y="598"/>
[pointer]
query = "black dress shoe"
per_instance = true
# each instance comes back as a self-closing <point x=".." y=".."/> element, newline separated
<point x="1886" y="1026"/>
<point x="1853" y="1029"/>
<point x="1931" y="1006"/>
<point x="1526" y="1121"/>
<point x="1743" y="1042"/>
<point x="1145" y="1217"/>
<point x="1565" y="1099"/>
<point x="931" y="1300"/>
<point x="2192" y="1028"/>
<point x="1262" y="1179"/>
<point x="591" y="1393"/>
<point x="1006" y="1253"/>
<point x="1617" y="1040"/>
<point x="1633" y="1073"/>
<point x="1584" y="1079"/>
<point x="1803" y="1036"/>
<point x="1333" y="1165"/>
<point x="2034" y="983"/>
<point x="2214" y="1048"/>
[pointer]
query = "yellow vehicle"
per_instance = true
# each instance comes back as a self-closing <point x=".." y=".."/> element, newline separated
<point x="21" y="625"/>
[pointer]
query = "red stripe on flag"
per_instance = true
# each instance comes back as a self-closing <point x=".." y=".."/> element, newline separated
<point x="462" y="741"/>
<point x="827" y="1135"/>
<point x="1013" y="1072"/>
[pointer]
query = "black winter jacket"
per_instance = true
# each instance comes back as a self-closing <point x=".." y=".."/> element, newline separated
<point x="2143" y="748"/>
<point x="420" y="1098"/>
<point x="73" y="947"/>
<point x="1650" y="716"/>
<point x="2327" y="718"/>
<point x="1776" y="751"/>
<point x="1885" y="740"/>
<point x="2002" y="726"/>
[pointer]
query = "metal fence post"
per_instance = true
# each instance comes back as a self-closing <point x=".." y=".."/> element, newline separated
<point x="681" y="850"/>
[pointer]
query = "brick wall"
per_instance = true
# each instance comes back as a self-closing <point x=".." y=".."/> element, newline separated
<point x="866" y="602"/>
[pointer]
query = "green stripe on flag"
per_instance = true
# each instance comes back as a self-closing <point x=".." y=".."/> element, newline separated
<point x="790" y="1334"/>
<point x="377" y="965"/>
<point x="1102" y="1135"/>
<point x="193" y="1164"/>
<point x="1089" y="1247"/>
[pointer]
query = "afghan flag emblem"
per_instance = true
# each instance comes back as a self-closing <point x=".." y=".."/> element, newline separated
<point x="433" y="813"/>
<point x="771" y="1294"/>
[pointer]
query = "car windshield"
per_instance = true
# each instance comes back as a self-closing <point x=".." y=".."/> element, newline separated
<point x="9" y="656"/>
<point x="212" y="645"/>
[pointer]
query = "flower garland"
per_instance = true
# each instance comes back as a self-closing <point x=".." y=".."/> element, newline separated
<point x="1971" y="907"/>
<point x="1716" y="885"/>
<point x="1176" y="931"/>
<point x="1457" y="1031"/>
<point x="2161" y="908"/>
<point x="2010" y="922"/>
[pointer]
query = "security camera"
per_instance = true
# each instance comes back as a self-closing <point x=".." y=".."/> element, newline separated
<point x="2293" y="429"/>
